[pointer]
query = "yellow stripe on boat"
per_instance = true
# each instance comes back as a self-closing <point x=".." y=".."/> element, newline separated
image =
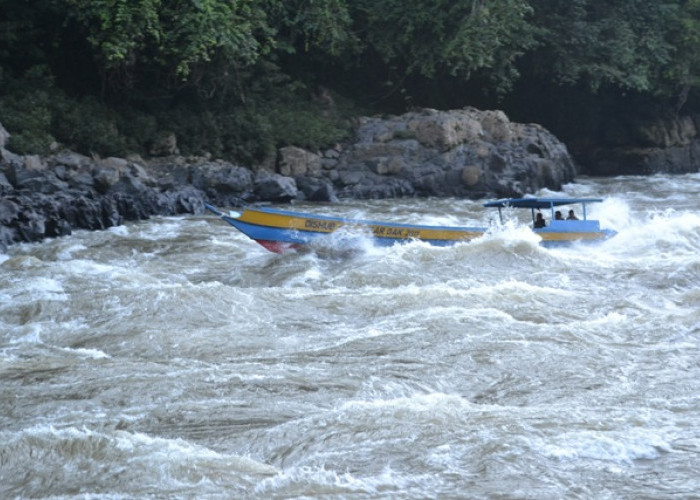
<point x="285" y="221"/>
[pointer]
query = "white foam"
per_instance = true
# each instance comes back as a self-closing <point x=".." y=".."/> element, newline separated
<point x="88" y="353"/>
<point x="158" y="229"/>
<point x="67" y="252"/>
<point x="618" y="447"/>
<point x="320" y="481"/>
<point x="119" y="230"/>
<point x="40" y="288"/>
<point x="676" y="234"/>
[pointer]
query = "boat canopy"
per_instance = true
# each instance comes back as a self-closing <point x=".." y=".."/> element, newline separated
<point x="538" y="203"/>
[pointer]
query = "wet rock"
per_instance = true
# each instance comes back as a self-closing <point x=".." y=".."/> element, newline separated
<point x="9" y="211"/>
<point x="315" y="189"/>
<point x="5" y="186"/>
<point x="221" y="177"/>
<point x="275" y="187"/>
<point x="31" y="225"/>
<point x="56" y="227"/>
<point x="70" y="159"/>
<point x="104" y="178"/>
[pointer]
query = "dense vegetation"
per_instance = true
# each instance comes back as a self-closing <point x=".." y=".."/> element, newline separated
<point x="237" y="78"/>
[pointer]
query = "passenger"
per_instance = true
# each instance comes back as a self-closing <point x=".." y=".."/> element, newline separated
<point x="571" y="216"/>
<point x="558" y="216"/>
<point x="539" y="220"/>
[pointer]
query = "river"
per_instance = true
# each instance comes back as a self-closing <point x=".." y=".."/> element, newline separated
<point x="175" y="358"/>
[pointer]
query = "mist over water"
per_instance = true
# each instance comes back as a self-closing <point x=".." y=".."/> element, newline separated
<point x="177" y="358"/>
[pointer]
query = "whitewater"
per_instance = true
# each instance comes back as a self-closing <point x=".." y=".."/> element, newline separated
<point x="175" y="358"/>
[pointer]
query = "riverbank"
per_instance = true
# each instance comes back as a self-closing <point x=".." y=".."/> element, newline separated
<point x="465" y="153"/>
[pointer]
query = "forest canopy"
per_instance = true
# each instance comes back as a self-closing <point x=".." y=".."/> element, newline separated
<point x="239" y="78"/>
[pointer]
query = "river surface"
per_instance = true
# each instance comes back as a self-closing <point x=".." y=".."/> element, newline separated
<point x="175" y="358"/>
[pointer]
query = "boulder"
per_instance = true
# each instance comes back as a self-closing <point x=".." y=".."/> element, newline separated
<point x="471" y="175"/>
<point x="221" y="177"/>
<point x="463" y="153"/>
<point x="275" y="187"/>
<point x="294" y="161"/>
<point x="445" y="130"/>
<point x="5" y="186"/>
<point x="70" y="159"/>
<point x="315" y="189"/>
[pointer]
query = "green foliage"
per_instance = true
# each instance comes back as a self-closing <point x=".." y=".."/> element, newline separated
<point x="598" y="42"/>
<point x="451" y="37"/>
<point x="89" y="126"/>
<point x="306" y="126"/>
<point x="683" y="74"/>
<point x="321" y="27"/>
<point x="251" y="132"/>
<point x="25" y="108"/>
<point x="182" y="38"/>
<point x="117" y="29"/>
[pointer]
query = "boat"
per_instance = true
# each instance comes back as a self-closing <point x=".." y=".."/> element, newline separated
<point x="280" y="231"/>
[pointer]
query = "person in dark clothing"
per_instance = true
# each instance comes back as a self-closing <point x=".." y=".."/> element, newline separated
<point x="539" y="220"/>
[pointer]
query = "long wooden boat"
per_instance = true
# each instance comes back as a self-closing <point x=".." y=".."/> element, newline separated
<point x="283" y="230"/>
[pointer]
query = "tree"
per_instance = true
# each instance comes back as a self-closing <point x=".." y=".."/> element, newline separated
<point x="187" y="40"/>
<point x="684" y="72"/>
<point x="448" y="37"/>
<point x="598" y="42"/>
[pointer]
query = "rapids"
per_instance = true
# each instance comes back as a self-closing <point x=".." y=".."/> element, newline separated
<point x="175" y="358"/>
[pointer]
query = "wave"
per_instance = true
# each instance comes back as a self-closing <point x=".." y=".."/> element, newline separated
<point x="622" y="448"/>
<point x="39" y="461"/>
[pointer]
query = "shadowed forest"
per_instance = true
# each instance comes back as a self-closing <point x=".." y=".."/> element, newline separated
<point x="239" y="78"/>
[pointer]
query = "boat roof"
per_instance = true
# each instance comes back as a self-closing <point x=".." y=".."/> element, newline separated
<point x="538" y="202"/>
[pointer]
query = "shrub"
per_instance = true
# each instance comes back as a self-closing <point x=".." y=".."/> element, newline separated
<point x="25" y="109"/>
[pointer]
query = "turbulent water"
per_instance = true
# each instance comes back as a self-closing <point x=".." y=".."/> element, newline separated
<point x="175" y="358"/>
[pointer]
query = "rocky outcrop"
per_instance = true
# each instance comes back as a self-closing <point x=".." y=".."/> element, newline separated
<point x="662" y="145"/>
<point x="462" y="153"/>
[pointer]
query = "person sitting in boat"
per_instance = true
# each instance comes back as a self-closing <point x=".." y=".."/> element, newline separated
<point x="539" y="220"/>
<point x="558" y="216"/>
<point x="572" y="216"/>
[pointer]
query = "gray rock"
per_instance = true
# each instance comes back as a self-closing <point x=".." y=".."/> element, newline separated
<point x="223" y="177"/>
<point x="5" y="186"/>
<point x="104" y="178"/>
<point x="464" y="153"/>
<point x="275" y="187"/>
<point x="4" y="136"/>
<point x="294" y="161"/>
<point x="315" y="189"/>
<point x="70" y="159"/>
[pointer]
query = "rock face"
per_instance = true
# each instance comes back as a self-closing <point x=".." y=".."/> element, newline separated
<point x="670" y="145"/>
<point x="462" y="153"/>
